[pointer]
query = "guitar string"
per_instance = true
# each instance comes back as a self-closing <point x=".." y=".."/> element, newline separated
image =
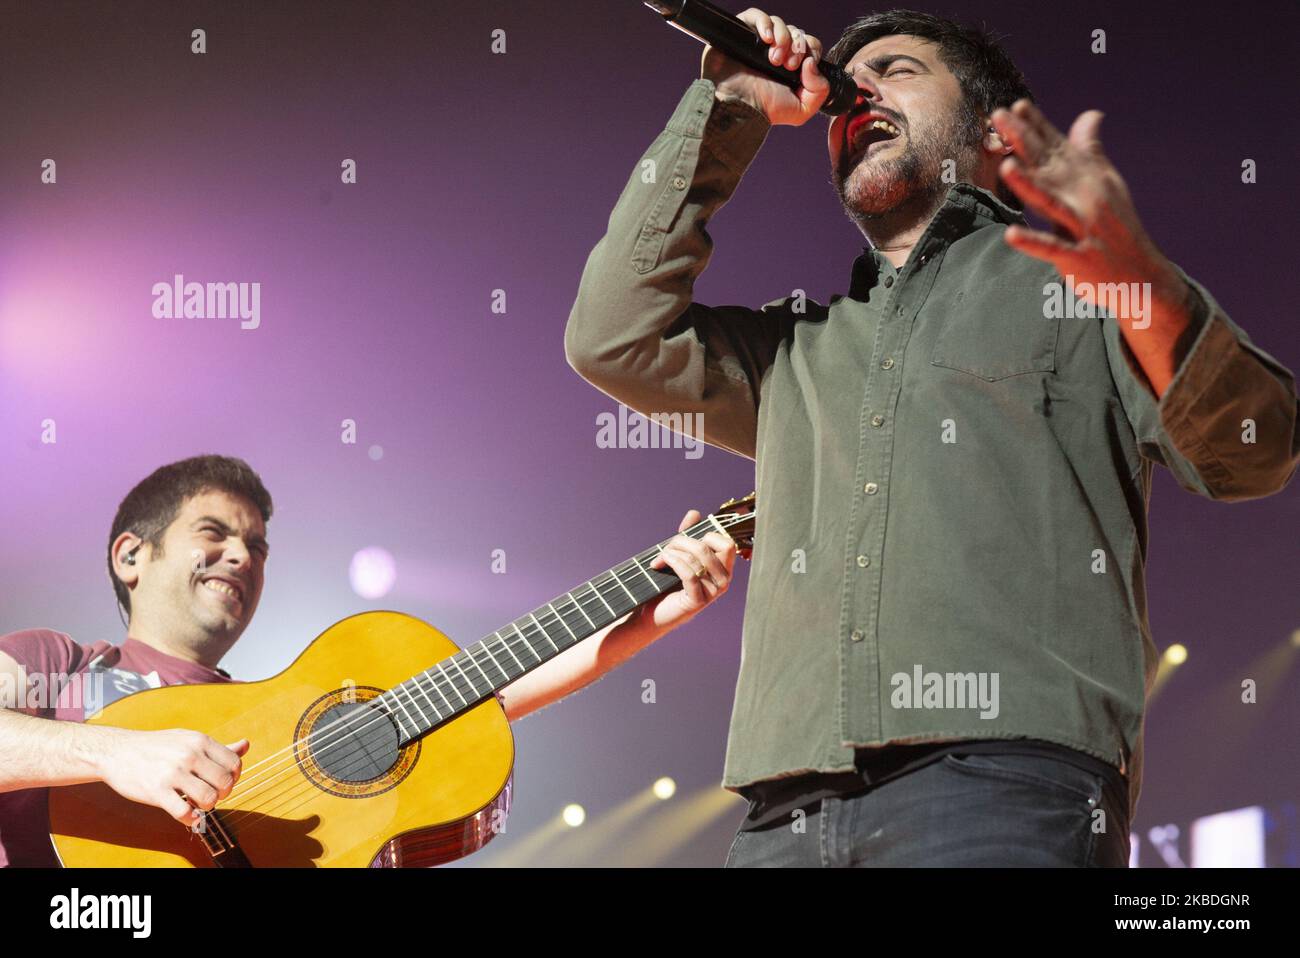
<point x="245" y="781"/>
<point x="285" y="775"/>
<point x="391" y="710"/>
<point x="726" y="520"/>
<point x="259" y="783"/>
<point x="241" y="811"/>
<point x="384" y="712"/>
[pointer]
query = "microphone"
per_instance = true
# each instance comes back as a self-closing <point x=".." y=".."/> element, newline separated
<point x="738" y="40"/>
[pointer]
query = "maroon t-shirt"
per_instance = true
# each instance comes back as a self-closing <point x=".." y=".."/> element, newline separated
<point x="70" y="682"/>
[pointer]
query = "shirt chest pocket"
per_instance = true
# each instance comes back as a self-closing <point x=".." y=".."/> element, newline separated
<point x="995" y="340"/>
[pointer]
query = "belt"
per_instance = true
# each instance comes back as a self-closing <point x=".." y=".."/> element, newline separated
<point x="774" y="798"/>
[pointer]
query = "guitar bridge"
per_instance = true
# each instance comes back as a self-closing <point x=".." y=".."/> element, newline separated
<point x="221" y="845"/>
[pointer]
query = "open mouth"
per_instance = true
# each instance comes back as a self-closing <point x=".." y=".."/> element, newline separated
<point x="865" y="131"/>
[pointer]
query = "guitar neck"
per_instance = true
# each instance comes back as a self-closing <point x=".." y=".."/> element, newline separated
<point x="463" y="680"/>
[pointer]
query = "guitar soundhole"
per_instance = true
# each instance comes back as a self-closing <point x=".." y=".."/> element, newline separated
<point x="348" y="744"/>
<point x="357" y="743"/>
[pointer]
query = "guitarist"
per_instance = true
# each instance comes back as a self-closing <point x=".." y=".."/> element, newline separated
<point x="182" y="622"/>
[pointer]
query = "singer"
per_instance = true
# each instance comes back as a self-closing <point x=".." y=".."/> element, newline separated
<point x="946" y="652"/>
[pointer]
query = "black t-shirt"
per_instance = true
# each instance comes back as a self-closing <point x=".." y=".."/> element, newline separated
<point x="778" y="797"/>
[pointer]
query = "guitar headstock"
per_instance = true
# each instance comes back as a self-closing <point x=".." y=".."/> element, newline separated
<point x="739" y="516"/>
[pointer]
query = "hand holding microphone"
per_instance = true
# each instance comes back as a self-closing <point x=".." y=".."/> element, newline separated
<point x="788" y="47"/>
<point x="761" y="60"/>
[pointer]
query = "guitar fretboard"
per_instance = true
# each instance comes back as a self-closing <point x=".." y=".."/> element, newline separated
<point x="463" y="680"/>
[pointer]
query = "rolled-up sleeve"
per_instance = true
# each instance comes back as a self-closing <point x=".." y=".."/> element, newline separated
<point x="634" y="331"/>
<point x="1226" y="426"/>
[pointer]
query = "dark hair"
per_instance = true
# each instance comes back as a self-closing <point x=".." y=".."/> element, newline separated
<point x="988" y="77"/>
<point x="156" y="501"/>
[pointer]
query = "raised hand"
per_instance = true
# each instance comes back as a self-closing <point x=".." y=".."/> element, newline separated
<point x="1070" y="181"/>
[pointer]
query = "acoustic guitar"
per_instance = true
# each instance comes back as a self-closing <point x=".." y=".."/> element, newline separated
<point x="382" y="745"/>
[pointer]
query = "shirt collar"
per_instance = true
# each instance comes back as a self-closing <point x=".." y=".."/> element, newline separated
<point x="965" y="209"/>
<point x="192" y="671"/>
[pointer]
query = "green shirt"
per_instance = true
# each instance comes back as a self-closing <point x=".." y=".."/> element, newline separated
<point x="952" y="487"/>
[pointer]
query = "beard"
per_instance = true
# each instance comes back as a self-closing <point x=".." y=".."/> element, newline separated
<point x="872" y="187"/>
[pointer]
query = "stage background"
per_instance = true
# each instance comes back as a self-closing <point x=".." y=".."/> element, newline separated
<point x="479" y="172"/>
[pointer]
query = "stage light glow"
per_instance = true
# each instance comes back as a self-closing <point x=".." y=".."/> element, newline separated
<point x="664" y="788"/>
<point x="372" y="572"/>
<point x="1176" y="654"/>
<point x="1232" y="839"/>
<point x="1295" y="638"/>
<point x="574" y="815"/>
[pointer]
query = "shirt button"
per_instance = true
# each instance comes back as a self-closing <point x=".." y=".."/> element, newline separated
<point x="856" y="635"/>
<point x="863" y="561"/>
<point x="679" y="182"/>
<point x="877" y="421"/>
<point x="889" y="281"/>
<point x="870" y="488"/>
<point x="887" y="364"/>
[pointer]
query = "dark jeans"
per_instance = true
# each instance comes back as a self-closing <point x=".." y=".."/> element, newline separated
<point x="960" y="811"/>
